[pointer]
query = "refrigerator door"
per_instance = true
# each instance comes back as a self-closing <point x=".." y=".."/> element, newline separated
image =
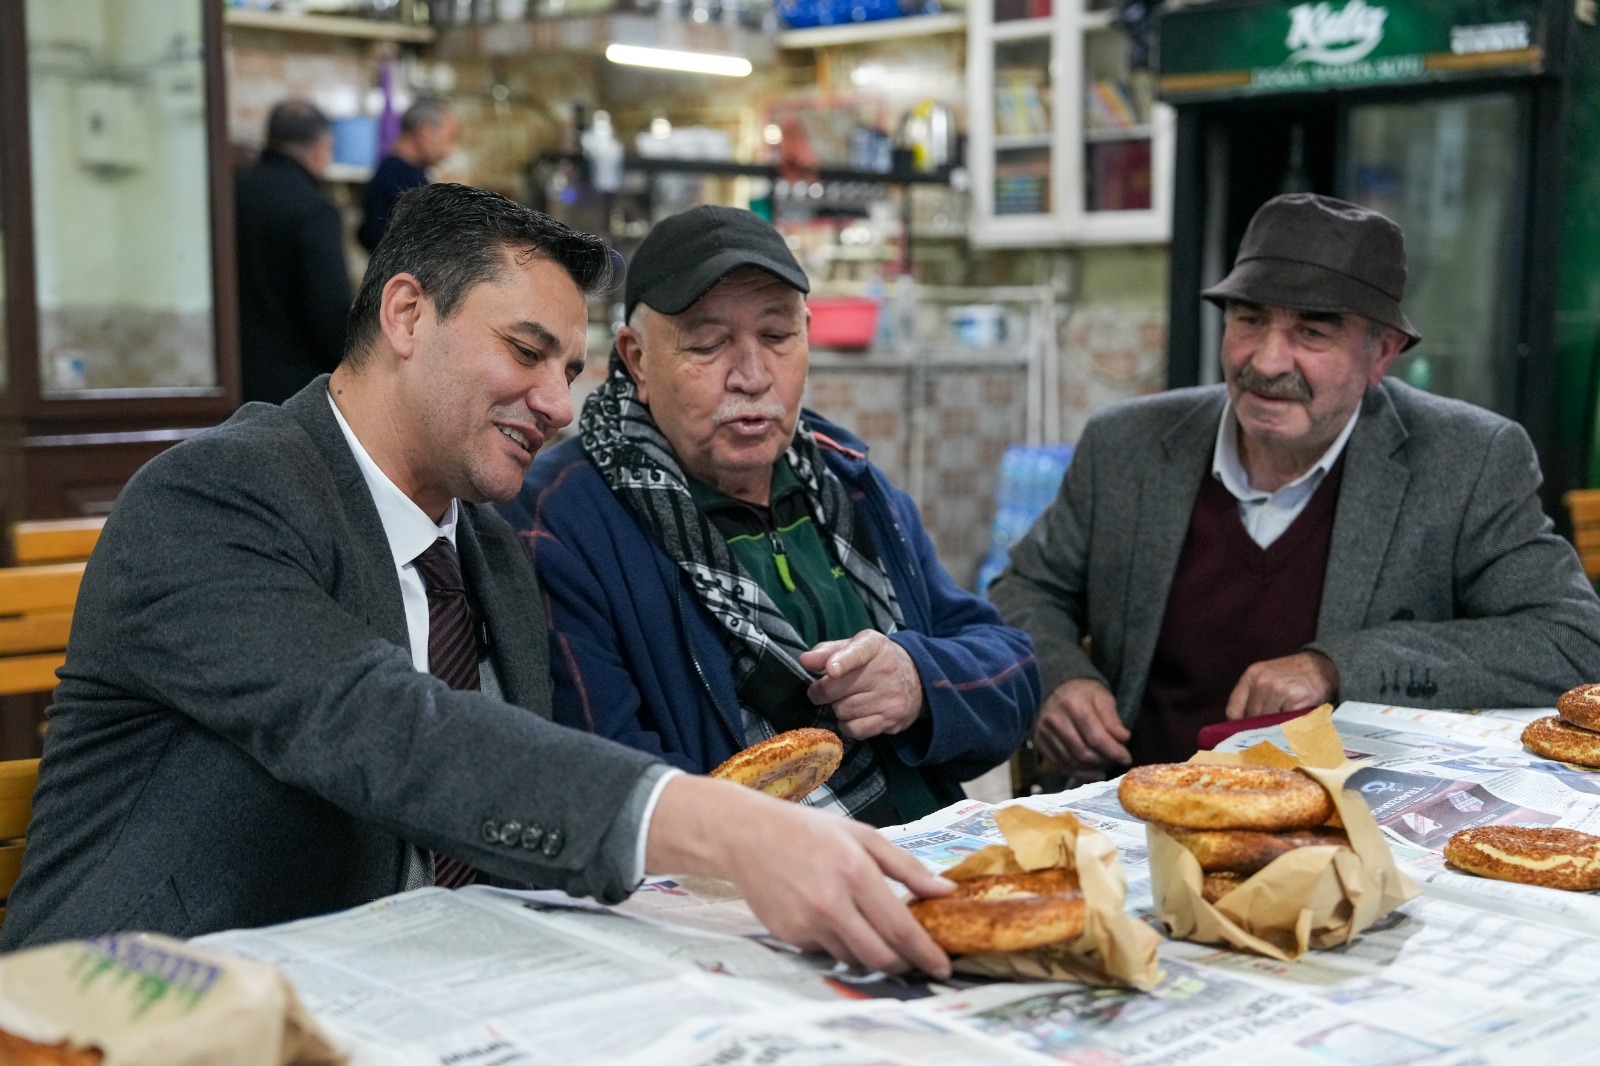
<point x="1451" y="171"/>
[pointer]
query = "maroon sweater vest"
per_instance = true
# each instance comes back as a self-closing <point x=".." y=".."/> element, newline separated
<point x="1233" y="603"/>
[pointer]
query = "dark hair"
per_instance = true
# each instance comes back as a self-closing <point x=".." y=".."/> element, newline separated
<point x="450" y="238"/>
<point x="296" y="124"/>
<point x="426" y="112"/>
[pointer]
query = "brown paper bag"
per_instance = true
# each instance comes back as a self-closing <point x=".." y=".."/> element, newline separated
<point x="1315" y="897"/>
<point x="1113" y="948"/>
<point x="147" y="1000"/>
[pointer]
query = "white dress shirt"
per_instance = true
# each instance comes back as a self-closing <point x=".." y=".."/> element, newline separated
<point x="410" y="533"/>
<point x="1267" y="514"/>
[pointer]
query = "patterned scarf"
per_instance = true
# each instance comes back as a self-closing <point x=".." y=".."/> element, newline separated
<point x="638" y="464"/>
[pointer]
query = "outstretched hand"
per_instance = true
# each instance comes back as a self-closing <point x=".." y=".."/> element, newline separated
<point x="816" y="880"/>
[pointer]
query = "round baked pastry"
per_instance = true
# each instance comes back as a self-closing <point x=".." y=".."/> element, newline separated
<point x="1244" y="851"/>
<point x="1005" y="912"/>
<point x="788" y="766"/>
<point x="1216" y="885"/>
<point x="1555" y="739"/>
<point x="1581" y="706"/>
<point x="1202" y="796"/>
<point x="1530" y="855"/>
<point x="23" y="1052"/>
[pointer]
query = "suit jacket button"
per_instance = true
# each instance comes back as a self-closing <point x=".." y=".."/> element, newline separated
<point x="552" y="843"/>
<point x="531" y="836"/>
<point x="491" y="831"/>
<point x="509" y="833"/>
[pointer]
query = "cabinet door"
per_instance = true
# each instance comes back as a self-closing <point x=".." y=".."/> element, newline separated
<point x="1067" y="144"/>
<point x="1014" y="120"/>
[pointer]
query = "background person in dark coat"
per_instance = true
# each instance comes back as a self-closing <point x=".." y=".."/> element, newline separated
<point x="427" y="135"/>
<point x="294" y="286"/>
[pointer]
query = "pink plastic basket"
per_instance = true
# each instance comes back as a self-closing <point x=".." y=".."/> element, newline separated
<point x="842" y="321"/>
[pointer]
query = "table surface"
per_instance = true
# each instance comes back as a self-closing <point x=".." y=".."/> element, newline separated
<point x="1471" y="971"/>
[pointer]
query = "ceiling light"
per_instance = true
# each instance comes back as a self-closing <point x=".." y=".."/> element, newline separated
<point x="666" y="59"/>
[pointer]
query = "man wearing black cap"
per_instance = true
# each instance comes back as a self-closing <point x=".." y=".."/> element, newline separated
<point x="1310" y="531"/>
<point x="721" y="566"/>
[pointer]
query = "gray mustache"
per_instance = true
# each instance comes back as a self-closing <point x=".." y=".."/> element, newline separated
<point x="729" y="411"/>
<point x="1291" y="385"/>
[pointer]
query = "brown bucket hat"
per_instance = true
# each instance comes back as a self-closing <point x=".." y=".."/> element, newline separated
<point x="1315" y="253"/>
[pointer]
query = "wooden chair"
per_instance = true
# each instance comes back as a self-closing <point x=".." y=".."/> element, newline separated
<point x="17" y="781"/>
<point x="56" y="540"/>
<point x="35" y="617"/>
<point x="1583" y="505"/>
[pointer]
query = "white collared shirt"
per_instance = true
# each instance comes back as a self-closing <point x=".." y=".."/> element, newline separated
<point x="410" y="531"/>
<point x="1267" y="514"/>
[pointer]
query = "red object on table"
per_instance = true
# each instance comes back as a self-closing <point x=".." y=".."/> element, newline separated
<point x="1215" y="733"/>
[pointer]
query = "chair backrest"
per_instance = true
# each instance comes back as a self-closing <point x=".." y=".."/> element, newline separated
<point x="18" y="778"/>
<point x="35" y="618"/>
<point x="55" y="540"/>
<point x="1583" y="505"/>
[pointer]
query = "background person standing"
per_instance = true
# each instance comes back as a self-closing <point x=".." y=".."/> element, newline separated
<point x="427" y="135"/>
<point x="294" y="285"/>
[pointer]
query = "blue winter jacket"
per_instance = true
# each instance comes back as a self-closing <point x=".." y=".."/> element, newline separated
<point x="637" y="658"/>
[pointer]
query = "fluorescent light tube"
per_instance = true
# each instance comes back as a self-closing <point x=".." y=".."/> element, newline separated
<point x="667" y="59"/>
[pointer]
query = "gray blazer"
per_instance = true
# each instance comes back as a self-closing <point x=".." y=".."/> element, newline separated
<point x="1443" y="567"/>
<point x="239" y="736"/>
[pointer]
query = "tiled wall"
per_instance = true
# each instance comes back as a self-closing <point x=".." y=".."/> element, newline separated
<point x="113" y="346"/>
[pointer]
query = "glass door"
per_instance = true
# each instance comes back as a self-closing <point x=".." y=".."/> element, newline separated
<point x="1023" y="123"/>
<point x="1450" y="171"/>
<point x="122" y="198"/>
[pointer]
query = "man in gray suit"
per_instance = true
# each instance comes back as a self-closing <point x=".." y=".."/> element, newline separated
<point x="247" y="730"/>
<point x="1310" y="531"/>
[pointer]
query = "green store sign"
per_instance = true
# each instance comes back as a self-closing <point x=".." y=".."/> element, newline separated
<point x="1218" y="51"/>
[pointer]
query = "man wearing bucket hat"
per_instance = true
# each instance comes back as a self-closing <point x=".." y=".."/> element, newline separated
<point x="1309" y="531"/>
<point x="721" y="566"/>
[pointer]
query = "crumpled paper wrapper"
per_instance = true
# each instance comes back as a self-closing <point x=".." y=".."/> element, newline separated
<point x="1114" y="947"/>
<point x="147" y="1000"/>
<point x="1316" y="897"/>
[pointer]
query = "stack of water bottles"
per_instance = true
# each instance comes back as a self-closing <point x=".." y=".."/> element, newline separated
<point x="1030" y="475"/>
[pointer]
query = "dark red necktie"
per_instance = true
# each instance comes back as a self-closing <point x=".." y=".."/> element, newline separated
<point x="452" y="657"/>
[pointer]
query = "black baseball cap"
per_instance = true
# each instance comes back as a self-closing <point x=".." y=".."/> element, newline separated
<point x="1315" y="253"/>
<point x="685" y="254"/>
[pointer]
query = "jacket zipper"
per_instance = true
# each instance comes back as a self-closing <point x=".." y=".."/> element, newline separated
<point x="780" y="557"/>
<point x="699" y="671"/>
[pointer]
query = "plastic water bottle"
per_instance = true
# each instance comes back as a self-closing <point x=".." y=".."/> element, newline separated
<point x="883" y="334"/>
<point x="604" y="152"/>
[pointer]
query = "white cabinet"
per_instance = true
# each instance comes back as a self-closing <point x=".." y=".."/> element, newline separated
<point x="1066" y="145"/>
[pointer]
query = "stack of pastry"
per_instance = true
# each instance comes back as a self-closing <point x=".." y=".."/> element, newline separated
<point x="1233" y="819"/>
<point x="1572" y="735"/>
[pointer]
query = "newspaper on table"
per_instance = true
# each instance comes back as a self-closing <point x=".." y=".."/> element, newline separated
<point x="1472" y="972"/>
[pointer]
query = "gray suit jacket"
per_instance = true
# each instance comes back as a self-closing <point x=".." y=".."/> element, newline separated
<point x="1443" y="566"/>
<point x="239" y="736"/>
